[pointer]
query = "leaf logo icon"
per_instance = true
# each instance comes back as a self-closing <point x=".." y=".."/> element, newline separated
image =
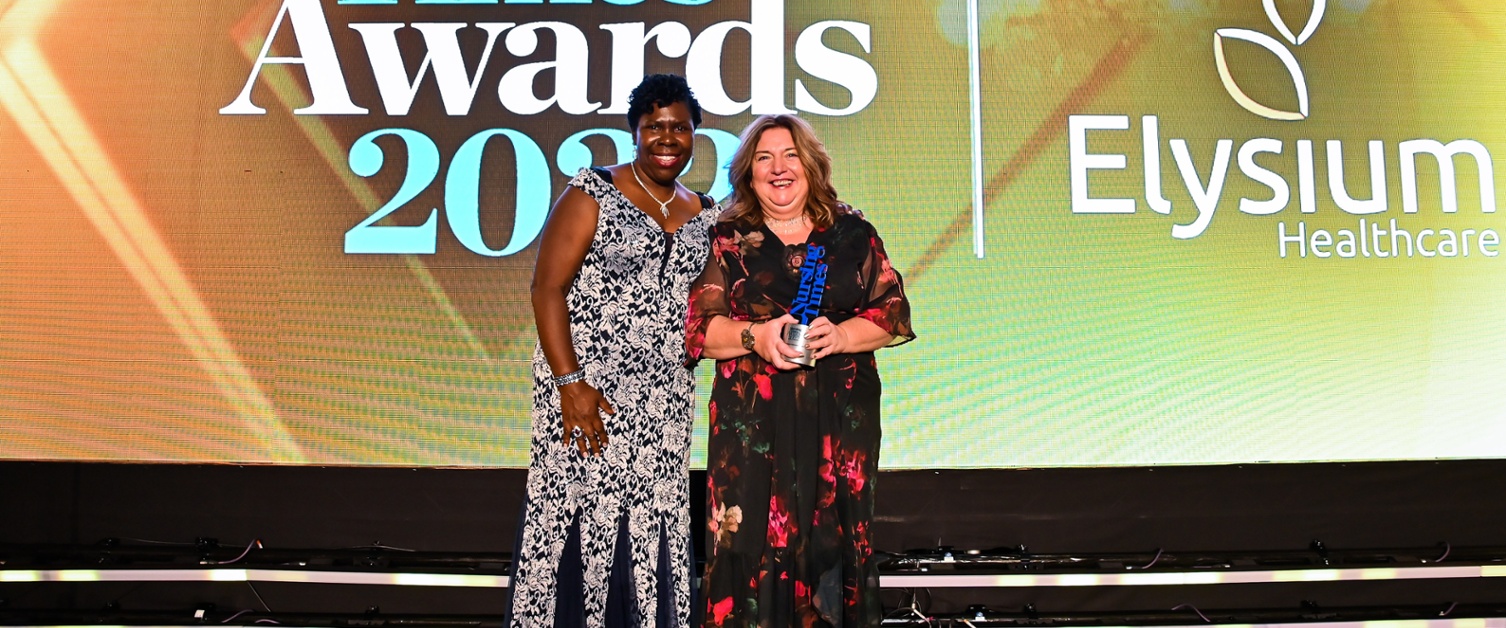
<point x="1288" y="60"/>
<point x="1319" y="7"/>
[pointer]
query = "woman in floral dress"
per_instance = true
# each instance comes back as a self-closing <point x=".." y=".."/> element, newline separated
<point x="793" y="450"/>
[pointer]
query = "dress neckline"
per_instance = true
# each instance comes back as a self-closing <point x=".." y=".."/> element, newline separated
<point x="606" y="177"/>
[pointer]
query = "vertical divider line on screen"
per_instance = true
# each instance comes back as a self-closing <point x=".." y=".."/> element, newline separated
<point x="975" y="106"/>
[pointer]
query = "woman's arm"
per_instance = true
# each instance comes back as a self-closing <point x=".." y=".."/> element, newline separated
<point x="724" y="340"/>
<point x="562" y="248"/>
<point x="711" y="333"/>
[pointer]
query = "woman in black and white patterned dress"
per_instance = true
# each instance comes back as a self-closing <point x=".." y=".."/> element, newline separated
<point x="605" y="539"/>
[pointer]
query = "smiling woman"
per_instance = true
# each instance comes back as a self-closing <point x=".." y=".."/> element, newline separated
<point x="605" y="539"/>
<point x="793" y="450"/>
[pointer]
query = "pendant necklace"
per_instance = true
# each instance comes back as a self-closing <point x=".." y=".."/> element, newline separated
<point x="663" y="205"/>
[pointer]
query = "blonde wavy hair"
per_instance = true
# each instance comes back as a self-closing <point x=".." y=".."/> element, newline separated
<point x="742" y="207"/>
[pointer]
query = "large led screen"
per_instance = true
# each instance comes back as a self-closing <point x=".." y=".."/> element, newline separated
<point x="1133" y="232"/>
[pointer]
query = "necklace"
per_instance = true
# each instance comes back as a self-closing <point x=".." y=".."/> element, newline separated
<point x="784" y="225"/>
<point x="663" y="205"/>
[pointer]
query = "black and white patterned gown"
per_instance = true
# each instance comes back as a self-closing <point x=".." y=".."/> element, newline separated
<point x="627" y="310"/>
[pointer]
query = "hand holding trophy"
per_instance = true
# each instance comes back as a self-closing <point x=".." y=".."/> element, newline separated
<point x="807" y="304"/>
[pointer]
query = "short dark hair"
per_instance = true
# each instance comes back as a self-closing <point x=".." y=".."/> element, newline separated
<point x="661" y="90"/>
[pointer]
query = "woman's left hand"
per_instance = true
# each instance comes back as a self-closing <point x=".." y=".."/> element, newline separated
<point x="827" y="338"/>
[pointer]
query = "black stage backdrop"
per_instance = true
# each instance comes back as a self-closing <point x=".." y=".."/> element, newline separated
<point x="1076" y="510"/>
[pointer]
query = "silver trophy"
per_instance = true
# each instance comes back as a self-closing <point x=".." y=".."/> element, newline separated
<point x="794" y="335"/>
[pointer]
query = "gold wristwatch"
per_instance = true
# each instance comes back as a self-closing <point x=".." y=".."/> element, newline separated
<point x="748" y="336"/>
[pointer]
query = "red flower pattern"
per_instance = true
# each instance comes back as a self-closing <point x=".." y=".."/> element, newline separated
<point x="852" y="469"/>
<point x="765" y="386"/>
<point x="720" y="610"/>
<point x="779" y="523"/>
<point x="827" y="493"/>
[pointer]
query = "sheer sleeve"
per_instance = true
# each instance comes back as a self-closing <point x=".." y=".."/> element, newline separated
<point x="885" y="304"/>
<point x="708" y="299"/>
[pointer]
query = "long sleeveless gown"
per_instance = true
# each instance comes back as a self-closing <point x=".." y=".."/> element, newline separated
<point x="627" y="311"/>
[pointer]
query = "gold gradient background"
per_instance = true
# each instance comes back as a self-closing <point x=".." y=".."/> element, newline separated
<point x="172" y="286"/>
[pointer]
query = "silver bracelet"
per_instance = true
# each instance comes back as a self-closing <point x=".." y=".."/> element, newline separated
<point x="569" y="378"/>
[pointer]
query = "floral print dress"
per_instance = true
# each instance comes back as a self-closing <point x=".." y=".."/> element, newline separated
<point x="793" y="454"/>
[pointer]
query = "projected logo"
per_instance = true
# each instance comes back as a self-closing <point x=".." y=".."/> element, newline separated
<point x="1288" y="60"/>
<point x="1289" y="171"/>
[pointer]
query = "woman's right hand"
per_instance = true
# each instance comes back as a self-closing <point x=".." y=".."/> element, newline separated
<point x="769" y="344"/>
<point x="581" y="406"/>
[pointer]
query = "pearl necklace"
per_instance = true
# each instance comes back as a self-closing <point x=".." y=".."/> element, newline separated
<point x="784" y="225"/>
<point x="663" y="205"/>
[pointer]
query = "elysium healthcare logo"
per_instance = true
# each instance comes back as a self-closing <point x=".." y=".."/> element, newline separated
<point x="1299" y="82"/>
<point x="1289" y="170"/>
